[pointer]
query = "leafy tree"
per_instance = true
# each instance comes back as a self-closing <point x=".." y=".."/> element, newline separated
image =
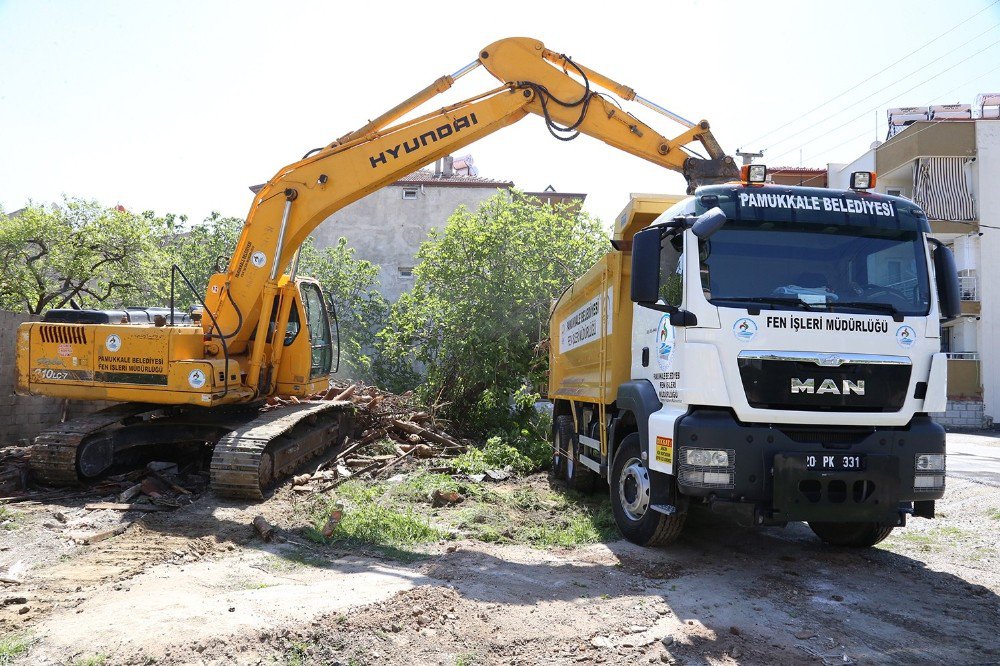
<point x="351" y="285"/>
<point x="198" y="251"/>
<point x="79" y="251"/>
<point x="477" y="317"/>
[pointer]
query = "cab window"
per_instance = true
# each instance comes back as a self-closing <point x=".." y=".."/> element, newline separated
<point x="318" y="324"/>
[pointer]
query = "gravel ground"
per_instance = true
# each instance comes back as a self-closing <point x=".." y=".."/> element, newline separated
<point x="196" y="585"/>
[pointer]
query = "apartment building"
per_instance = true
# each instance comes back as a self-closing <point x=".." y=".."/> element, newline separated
<point x="387" y="226"/>
<point x="947" y="159"/>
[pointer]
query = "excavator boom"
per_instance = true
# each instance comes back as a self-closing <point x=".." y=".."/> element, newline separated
<point x="535" y="80"/>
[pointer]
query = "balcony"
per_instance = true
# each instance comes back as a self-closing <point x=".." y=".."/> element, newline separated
<point x="925" y="139"/>
<point x="968" y="289"/>
<point x="950" y="228"/>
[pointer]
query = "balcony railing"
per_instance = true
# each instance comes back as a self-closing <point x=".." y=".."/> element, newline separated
<point x="968" y="287"/>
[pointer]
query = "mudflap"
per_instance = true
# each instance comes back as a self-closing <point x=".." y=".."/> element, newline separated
<point x="849" y="496"/>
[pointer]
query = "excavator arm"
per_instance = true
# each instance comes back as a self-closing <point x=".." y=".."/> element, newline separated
<point x="303" y="194"/>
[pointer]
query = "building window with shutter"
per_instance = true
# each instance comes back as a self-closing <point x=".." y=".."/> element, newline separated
<point x="410" y="192"/>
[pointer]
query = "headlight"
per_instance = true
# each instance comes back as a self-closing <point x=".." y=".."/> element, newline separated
<point x="707" y="458"/>
<point x="930" y="462"/>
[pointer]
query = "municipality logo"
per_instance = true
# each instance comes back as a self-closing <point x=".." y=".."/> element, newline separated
<point x="745" y="329"/>
<point x="905" y="336"/>
<point x="664" y="342"/>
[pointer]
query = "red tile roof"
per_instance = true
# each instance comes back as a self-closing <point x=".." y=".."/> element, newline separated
<point x="426" y="177"/>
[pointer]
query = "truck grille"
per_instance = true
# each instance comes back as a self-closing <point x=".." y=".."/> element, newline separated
<point x="75" y="335"/>
<point x="804" y="385"/>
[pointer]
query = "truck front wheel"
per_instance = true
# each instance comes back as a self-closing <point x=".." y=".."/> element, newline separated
<point x="854" y="535"/>
<point x="631" y="499"/>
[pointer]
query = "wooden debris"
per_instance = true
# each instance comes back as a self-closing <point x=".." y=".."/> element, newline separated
<point x="264" y="528"/>
<point x="113" y="506"/>
<point x="174" y="486"/>
<point x="425" y="433"/>
<point x="152" y="487"/>
<point x="441" y="498"/>
<point x="343" y="395"/>
<point x="88" y="539"/>
<point x="130" y="493"/>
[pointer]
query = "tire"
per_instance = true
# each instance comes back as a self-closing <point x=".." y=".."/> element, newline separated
<point x="558" y="469"/>
<point x="631" y="496"/>
<point x="853" y="535"/>
<point x="566" y="446"/>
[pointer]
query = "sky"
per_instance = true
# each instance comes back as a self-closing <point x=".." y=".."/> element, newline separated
<point x="179" y="106"/>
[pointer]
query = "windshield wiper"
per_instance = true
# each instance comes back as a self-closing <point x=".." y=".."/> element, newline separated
<point x="770" y="300"/>
<point x="888" y="308"/>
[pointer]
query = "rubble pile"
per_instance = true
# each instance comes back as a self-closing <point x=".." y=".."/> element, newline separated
<point x="382" y="421"/>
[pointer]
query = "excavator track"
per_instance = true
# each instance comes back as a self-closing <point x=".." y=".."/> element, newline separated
<point x="54" y="452"/>
<point x="253" y="449"/>
<point x="248" y="460"/>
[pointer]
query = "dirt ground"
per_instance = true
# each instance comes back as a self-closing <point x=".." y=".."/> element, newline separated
<point x="196" y="585"/>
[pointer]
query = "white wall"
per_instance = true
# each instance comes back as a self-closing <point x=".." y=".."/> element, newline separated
<point x="838" y="176"/>
<point x="967" y="252"/>
<point x="986" y="178"/>
<point x="964" y="336"/>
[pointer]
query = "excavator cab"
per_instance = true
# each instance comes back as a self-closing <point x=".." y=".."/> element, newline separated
<point x="307" y="354"/>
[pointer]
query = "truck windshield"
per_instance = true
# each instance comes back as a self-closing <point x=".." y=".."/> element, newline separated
<point x="837" y="268"/>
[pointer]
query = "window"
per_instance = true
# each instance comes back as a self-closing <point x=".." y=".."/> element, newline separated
<point x="894" y="192"/>
<point x="805" y="266"/>
<point x="406" y="271"/>
<point x="410" y="192"/>
<point x="672" y="270"/>
<point x="319" y="330"/>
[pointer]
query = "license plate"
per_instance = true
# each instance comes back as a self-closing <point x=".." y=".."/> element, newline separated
<point x="835" y="462"/>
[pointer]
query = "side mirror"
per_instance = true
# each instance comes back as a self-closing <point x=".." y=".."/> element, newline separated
<point x="949" y="299"/>
<point x="708" y="223"/>
<point x="646" y="266"/>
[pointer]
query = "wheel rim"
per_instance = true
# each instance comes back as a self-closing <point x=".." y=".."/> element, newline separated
<point x="633" y="489"/>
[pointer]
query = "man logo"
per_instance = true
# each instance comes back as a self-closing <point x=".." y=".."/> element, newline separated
<point x="828" y="386"/>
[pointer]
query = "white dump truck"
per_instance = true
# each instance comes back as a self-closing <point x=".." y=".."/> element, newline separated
<point x="768" y="351"/>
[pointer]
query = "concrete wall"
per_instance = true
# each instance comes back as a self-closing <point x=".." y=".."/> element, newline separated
<point x="21" y="418"/>
<point x="387" y="229"/>
<point x="964" y="415"/>
<point x="986" y="177"/>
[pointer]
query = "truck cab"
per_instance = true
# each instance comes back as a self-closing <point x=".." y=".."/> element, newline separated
<point x="784" y="354"/>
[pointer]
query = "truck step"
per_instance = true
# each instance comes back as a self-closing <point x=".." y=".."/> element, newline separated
<point x="665" y="509"/>
<point x="591" y="463"/>
<point x="590" y="442"/>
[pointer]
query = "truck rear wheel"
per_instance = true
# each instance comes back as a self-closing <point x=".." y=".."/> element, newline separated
<point x="631" y="499"/>
<point x="566" y="457"/>
<point x="558" y="449"/>
<point x="854" y="535"/>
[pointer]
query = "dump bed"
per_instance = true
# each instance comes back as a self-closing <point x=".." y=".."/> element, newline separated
<point x="591" y="324"/>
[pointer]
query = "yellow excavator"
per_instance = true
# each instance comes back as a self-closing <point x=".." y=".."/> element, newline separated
<point x="264" y="330"/>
